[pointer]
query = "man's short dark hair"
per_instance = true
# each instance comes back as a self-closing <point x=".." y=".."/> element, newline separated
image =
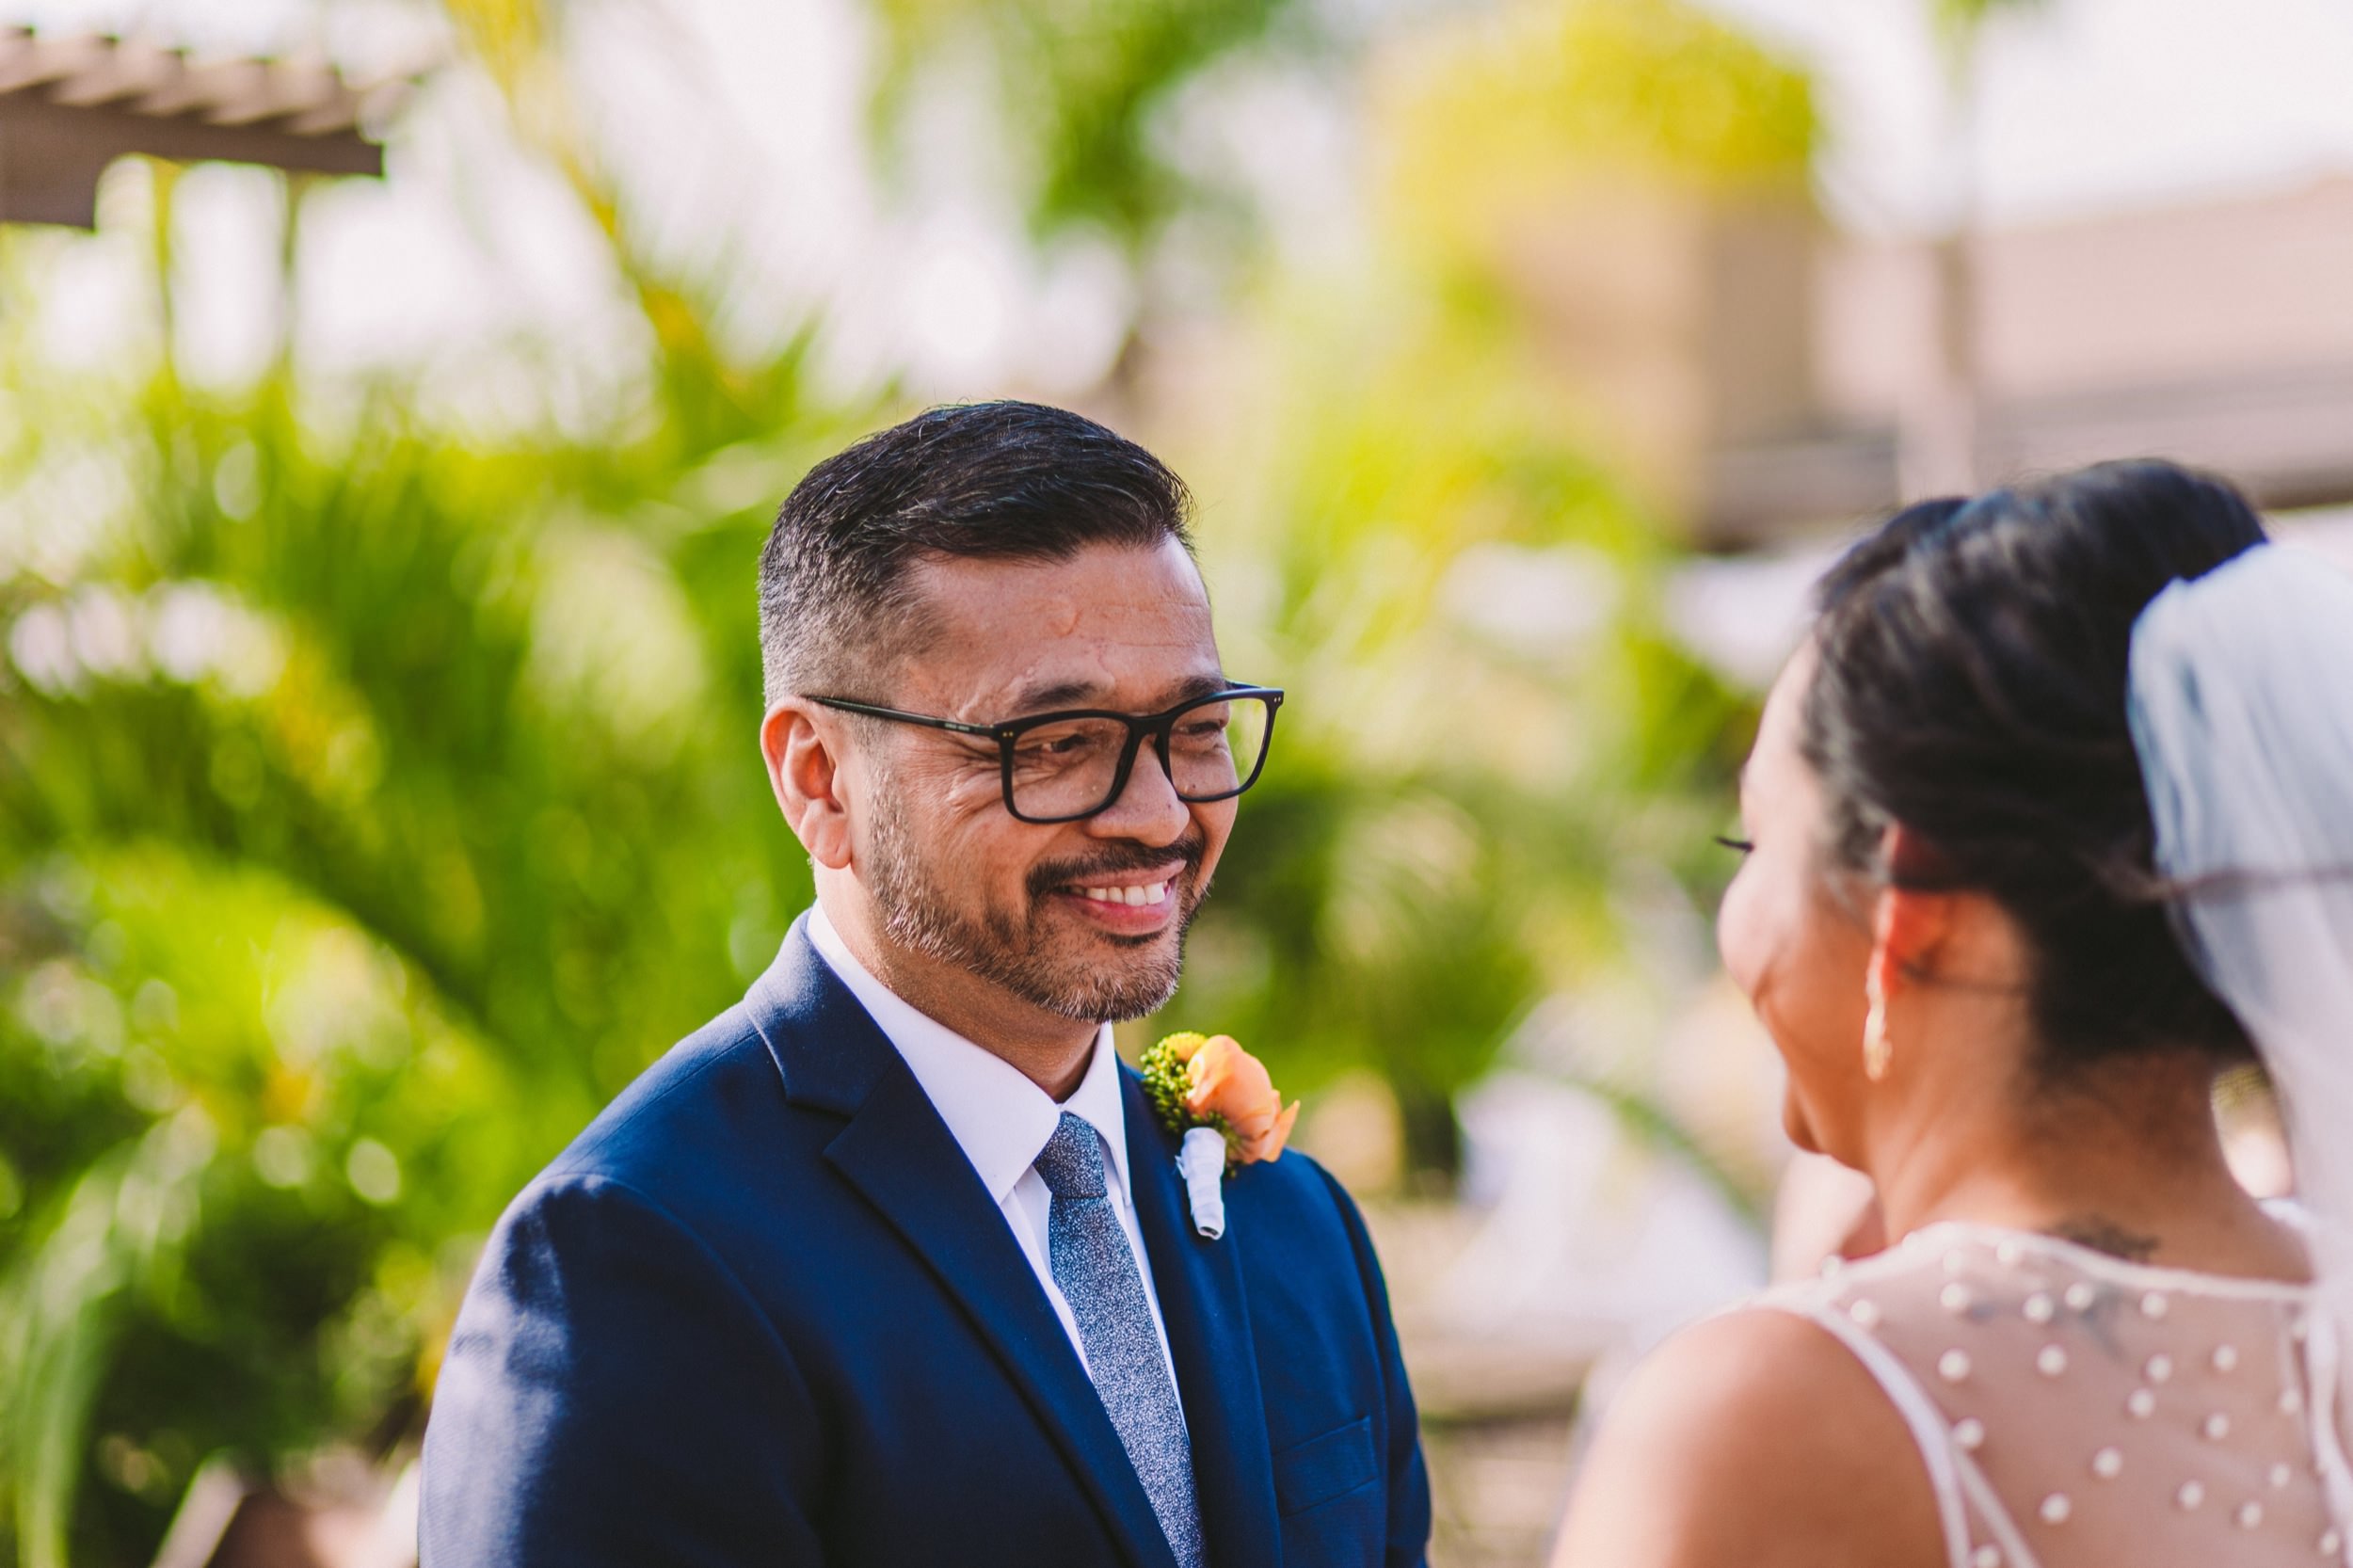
<point x="1002" y="481"/>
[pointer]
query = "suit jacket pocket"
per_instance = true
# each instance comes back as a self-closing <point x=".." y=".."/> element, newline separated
<point x="1321" y="1468"/>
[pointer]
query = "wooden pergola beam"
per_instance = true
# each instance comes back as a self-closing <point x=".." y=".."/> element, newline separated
<point x="70" y="107"/>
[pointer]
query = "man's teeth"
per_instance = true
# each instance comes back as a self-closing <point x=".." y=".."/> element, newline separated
<point x="1151" y="892"/>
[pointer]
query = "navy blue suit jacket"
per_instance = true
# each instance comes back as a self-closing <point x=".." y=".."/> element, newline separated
<point x="766" y="1312"/>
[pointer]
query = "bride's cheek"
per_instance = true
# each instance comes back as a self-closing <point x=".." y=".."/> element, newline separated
<point x="1737" y="934"/>
<point x="1757" y="926"/>
<point x="1770" y="945"/>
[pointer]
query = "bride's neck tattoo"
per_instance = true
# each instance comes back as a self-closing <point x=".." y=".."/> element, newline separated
<point x="2107" y="1236"/>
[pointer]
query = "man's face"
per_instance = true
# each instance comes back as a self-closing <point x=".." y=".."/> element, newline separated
<point x="954" y="875"/>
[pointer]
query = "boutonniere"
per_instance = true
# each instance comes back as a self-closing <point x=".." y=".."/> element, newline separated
<point x="1226" y="1110"/>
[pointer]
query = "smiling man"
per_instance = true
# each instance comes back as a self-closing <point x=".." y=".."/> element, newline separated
<point x="889" y="1264"/>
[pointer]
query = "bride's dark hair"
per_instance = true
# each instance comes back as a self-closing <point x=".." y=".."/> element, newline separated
<point x="1972" y="687"/>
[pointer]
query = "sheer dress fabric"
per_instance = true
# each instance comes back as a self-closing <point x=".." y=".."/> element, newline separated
<point x="2073" y="1409"/>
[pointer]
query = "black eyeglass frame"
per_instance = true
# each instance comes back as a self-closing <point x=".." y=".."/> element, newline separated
<point x="1158" y="727"/>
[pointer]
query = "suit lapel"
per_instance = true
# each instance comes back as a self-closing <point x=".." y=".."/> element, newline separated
<point x="1199" y="1283"/>
<point x="901" y="1157"/>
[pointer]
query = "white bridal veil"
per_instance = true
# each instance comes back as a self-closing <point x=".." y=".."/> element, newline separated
<point x="2242" y="713"/>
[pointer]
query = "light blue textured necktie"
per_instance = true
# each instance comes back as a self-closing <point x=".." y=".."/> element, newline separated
<point x="1096" y="1271"/>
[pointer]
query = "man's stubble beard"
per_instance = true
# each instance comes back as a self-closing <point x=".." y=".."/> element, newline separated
<point x="1010" y="949"/>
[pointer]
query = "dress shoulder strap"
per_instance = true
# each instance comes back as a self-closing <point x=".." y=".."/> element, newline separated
<point x="1820" y="1304"/>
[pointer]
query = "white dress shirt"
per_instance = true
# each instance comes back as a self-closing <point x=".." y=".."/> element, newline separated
<point x="1001" y="1121"/>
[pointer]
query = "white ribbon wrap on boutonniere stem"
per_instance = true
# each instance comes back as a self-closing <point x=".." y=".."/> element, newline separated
<point x="1201" y="1160"/>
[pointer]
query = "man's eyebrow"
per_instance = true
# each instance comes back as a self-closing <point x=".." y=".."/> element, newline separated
<point x="1198" y="686"/>
<point x="1055" y="694"/>
<point x="1050" y="696"/>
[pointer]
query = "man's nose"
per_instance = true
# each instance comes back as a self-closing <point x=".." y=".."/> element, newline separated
<point x="1147" y="808"/>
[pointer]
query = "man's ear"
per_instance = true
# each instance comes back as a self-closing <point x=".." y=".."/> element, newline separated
<point x="805" y="771"/>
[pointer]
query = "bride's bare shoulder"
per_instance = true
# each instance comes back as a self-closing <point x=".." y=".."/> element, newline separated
<point x="1757" y="1439"/>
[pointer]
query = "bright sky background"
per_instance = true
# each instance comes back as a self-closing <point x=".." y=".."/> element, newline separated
<point x="744" y="144"/>
<point x="2086" y="104"/>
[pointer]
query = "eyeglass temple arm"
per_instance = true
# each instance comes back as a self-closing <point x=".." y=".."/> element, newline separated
<point x="901" y="716"/>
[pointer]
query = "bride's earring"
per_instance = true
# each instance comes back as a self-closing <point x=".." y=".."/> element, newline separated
<point x="1877" y="1050"/>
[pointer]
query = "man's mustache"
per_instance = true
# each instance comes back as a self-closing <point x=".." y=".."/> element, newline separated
<point x="1054" y="876"/>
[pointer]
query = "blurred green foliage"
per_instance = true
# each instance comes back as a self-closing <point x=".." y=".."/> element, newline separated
<point x="373" y="806"/>
<point x="1084" y="87"/>
<point x="377" y="799"/>
<point x="1630" y="90"/>
<point x="1458" y="797"/>
<point x="1494" y="746"/>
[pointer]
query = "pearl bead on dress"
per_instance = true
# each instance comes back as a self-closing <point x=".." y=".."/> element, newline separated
<point x="2107" y="1464"/>
<point x="2216" y="1427"/>
<point x="2191" y="1494"/>
<point x="1969" y="1435"/>
<point x="2160" y="1367"/>
<point x="2056" y="1509"/>
<point x="2080" y="1296"/>
<point x="2154" y="1304"/>
<point x="2143" y="1405"/>
<point x="2225" y="1358"/>
<point x="1985" y="1557"/>
<point x="2050" y="1361"/>
<point x="1953" y="1365"/>
<point x="2040" y="1309"/>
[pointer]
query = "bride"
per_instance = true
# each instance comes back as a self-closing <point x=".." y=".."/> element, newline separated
<point x="2049" y="820"/>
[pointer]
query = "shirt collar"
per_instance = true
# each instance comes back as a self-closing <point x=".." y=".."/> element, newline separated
<point x="997" y="1114"/>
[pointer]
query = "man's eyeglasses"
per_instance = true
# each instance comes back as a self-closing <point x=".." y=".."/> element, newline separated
<point x="1065" y="766"/>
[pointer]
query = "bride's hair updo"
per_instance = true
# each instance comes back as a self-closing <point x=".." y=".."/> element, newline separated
<point x="1972" y="687"/>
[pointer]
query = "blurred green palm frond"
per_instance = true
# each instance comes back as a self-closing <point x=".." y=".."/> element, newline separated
<point x="376" y="801"/>
<point x="197" y="1194"/>
<point x="1080" y="86"/>
<point x="467" y="729"/>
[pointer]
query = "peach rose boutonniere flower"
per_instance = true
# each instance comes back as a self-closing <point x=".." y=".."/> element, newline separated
<point x="1220" y="1098"/>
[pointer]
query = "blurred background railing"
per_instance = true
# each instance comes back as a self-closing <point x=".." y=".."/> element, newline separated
<point x="377" y="781"/>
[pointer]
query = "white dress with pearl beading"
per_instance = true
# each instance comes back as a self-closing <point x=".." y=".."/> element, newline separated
<point x="2073" y="1408"/>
